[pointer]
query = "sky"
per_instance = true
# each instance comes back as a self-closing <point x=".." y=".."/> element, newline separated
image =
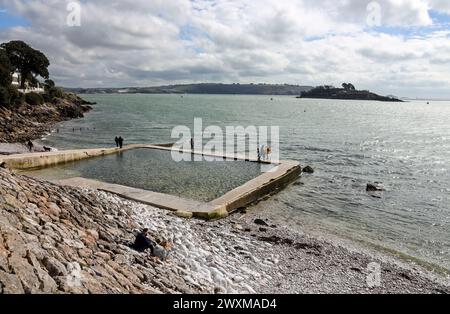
<point x="397" y="47"/>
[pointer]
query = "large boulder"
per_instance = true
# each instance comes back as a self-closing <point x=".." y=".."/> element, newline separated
<point x="308" y="169"/>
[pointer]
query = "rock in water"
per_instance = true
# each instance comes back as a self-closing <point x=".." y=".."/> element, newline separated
<point x="308" y="169"/>
<point x="260" y="222"/>
<point x="371" y="187"/>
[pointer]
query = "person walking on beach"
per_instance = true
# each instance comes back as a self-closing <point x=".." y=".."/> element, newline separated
<point x="30" y="145"/>
<point x="117" y="141"/>
<point x="120" y="142"/>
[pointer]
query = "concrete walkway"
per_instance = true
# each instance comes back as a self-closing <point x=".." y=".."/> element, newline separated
<point x="182" y="206"/>
<point x="45" y="159"/>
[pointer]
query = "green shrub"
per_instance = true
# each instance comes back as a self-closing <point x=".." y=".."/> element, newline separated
<point x="47" y="97"/>
<point x="34" y="99"/>
<point x="49" y="84"/>
<point x="53" y="93"/>
<point x="15" y="97"/>
<point x="5" y="69"/>
<point x="10" y="97"/>
<point x="4" y="97"/>
<point x="57" y="92"/>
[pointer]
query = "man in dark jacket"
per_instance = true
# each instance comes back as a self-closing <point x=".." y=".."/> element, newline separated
<point x="30" y="145"/>
<point x="143" y="243"/>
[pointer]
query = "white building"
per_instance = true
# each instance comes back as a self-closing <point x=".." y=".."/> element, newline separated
<point x="28" y="89"/>
<point x="16" y="79"/>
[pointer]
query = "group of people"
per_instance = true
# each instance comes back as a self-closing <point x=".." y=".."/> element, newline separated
<point x="143" y="243"/>
<point x="29" y="144"/>
<point x="119" y="141"/>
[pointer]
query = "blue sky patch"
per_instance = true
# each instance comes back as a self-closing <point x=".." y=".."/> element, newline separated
<point x="439" y="17"/>
<point x="188" y="33"/>
<point x="8" y="20"/>
<point x="441" y="21"/>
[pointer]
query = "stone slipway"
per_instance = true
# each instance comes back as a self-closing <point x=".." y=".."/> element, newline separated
<point x="283" y="173"/>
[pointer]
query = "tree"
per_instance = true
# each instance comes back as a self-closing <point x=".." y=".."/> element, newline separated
<point x="49" y="83"/>
<point x="26" y="60"/>
<point x="348" y="86"/>
<point x="5" y="69"/>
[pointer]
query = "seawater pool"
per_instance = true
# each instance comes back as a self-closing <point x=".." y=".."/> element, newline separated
<point x="155" y="170"/>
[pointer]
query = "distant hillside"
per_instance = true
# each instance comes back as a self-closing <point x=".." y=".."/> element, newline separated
<point x="233" y="89"/>
<point x="348" y="91"/>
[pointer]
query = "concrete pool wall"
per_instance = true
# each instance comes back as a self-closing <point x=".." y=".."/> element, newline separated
<point x="41" y="160"/>
<point x="285" y="172"/>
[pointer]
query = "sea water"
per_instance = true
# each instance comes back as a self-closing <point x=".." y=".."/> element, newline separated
<point x="405" y="146"/>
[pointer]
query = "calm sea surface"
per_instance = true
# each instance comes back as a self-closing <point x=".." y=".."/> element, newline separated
<point x="406" y="146"/>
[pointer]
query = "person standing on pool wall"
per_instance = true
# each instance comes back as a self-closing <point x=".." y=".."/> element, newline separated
<point x="30" y="145"/>
<point x="120" y="142"/>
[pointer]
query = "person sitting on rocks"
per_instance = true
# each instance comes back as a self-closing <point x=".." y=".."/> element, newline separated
<point x="143" y="243"/>
<point x="162" y="250"/>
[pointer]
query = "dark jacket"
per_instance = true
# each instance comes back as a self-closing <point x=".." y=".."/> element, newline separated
<point x="143" y="243"/>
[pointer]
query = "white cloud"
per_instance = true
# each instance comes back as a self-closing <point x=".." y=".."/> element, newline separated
<point x="440" y="5"/>
<point x="148" y="42"/>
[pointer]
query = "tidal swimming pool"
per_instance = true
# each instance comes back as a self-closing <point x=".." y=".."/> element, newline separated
<point x="155" y="170"/>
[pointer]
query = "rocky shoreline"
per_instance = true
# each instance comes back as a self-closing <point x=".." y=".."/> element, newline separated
<point x="57" y="239"/>
<point x="28" y="122"/>
<point x="323" y="264"/>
